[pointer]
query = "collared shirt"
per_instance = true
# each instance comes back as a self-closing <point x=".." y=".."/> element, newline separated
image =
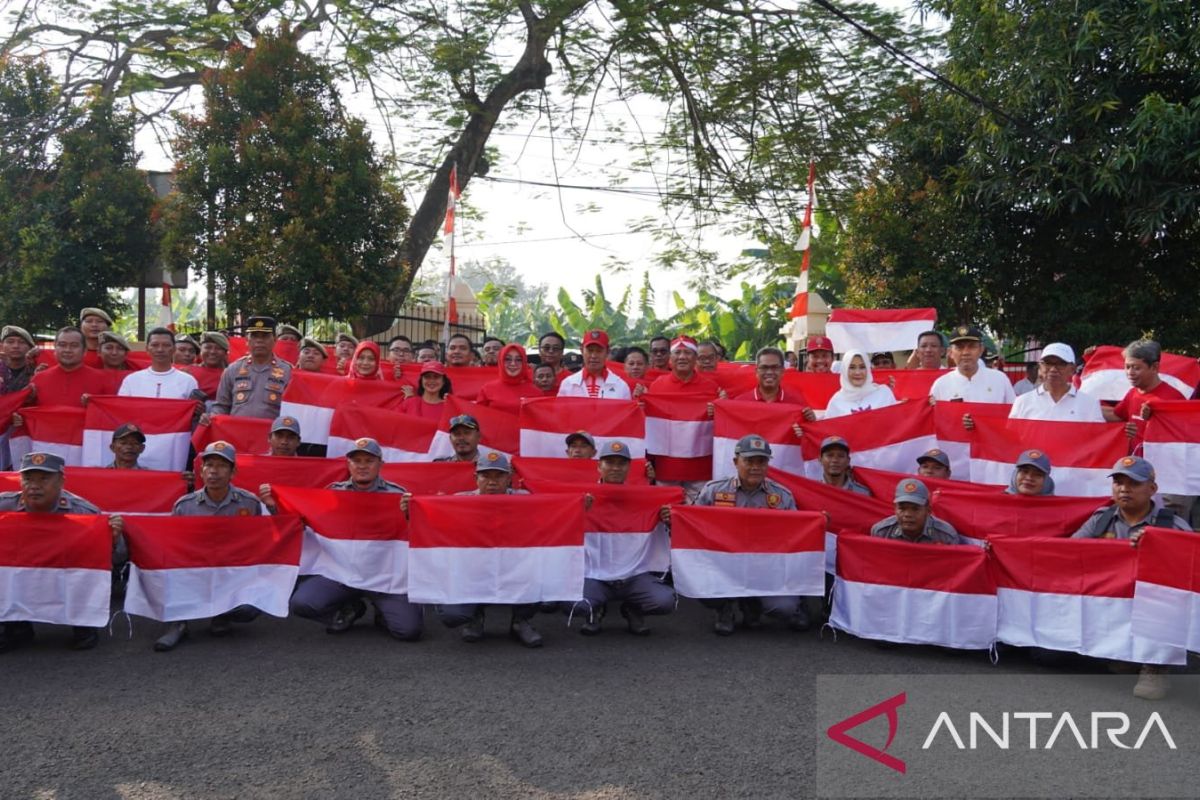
<point x="1074" y="406"/>
<point x="113" y="465"/>
<point x="730" y="493"/>
<point x="380" y="485"/>
<point x="850" y="485"/>
<point x="1119" y="528"/>
<point x="985" y="386"/>
<point x="252" y="390"/>
<point x="67" y="503"/>
<point x="936" y="531"/>
<point x="455" y="459"/>
<point x="606" y="386"/>
<point x="793" y="397"/>
<point x="236" y="503"/>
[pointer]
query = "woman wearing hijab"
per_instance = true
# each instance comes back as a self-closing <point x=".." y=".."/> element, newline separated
<point x="1031" y="475"/>
<point x="859" y="392"/>
<point x="515" y="382"/>
<point x="364" y="366"/>
<point x="434" y="386"/>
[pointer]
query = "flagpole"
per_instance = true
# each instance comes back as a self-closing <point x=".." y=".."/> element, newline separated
<point x="800" y="303"/>
<point x="451" y="309"/>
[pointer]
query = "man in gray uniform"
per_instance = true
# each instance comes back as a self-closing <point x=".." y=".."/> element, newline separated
<point x="217" y="498"/>
<point x="42" y="492"/>
<point x="835" y="466"/>
<point x="913" y="520"/>
<point x="284" y="438"/>
<point x="127" y="445"/>
<point x="751" y="488"/>
<point x="253" y="385"/>
<point x="493" y="475"/>
<point x="464" y="438"/>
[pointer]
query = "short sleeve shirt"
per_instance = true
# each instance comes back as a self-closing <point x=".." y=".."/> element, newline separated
<point x="1117" y="528"/>
<point x="380" y="485"/>
<point x="936" y="531"/>
<point x="729" y="493"/>
<point x="236" y="503"/>
<point x="67" y="503"/>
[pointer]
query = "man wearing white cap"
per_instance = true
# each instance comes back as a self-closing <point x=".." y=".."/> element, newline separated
<point x="1056" y="398"/>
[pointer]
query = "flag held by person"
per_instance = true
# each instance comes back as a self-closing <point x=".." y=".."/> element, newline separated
<point x="1172" y="445"/>
<point x="546" y="421"/>
<point x="679" y="435"/>
<point x="166" y="424"/>
<point x="878" y="330"/>
<point x="1081" y="453"/>
<point x="772" y="421"/>
<point x="312" y="397"/>
<point x="402" y="437"/>
<point x="884" y="438"/>
<point x="55" y="568"/>
<point x="1104" y="373"/>
<point x="49" y="429"/>
<point x="1166" y="597"/>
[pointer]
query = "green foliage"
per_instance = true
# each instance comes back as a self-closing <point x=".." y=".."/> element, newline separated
<point x="742" y="325"/>
<point x="75" y="213"/>
<point x="280" y="194"/>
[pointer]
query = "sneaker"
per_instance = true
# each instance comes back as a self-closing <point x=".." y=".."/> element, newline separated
<point x="634" y="622"/>
<point x="345" y="617"/>
<point x="15" y="634"/>
<point x="84" y="638"/>
<point x="800" y="621"/>
<point x="220" y="626"/>
<point x="1152" y="683"/>
<point x="176" y="633"/>
<point x="473" y="630"/>
<point x="525" y="633"/>
<point x="725" y="617"/>
<point x="592" y="626"/>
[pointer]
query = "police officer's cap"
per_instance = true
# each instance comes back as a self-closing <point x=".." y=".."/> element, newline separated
<point x="16" y="330"/>
<point x="911" y="490"/>
<point x="286" y="424"/>
<point x="1036" y="459"/>
<point x="309" y="341"/>
<point x="129" y="429"/>
<point x="935" y="455"/>
<point x="260" y="324"/>
<point x="292" y="329"/>
<point x="95" y="312"/>
<point x="834" y="441"/>
<point x="220" y="449"/>
<point x="463" y="421"/>
<point x="752" y="445"/>
<point x="616" y="449"/>
<point x="219" y="339"/>
<point x="43" y="462"/>
<point x="1134" y="467"/>
<point x="493" y="462"/>
<point x="366" y="445"/>
<point x="966" y="333"/>
<point x="587" y="437"/>
<point x="109" y="336"/>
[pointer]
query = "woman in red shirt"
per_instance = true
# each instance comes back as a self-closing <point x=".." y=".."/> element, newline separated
<point x="514" y="384"/>
<point x="434" y="388"/>
<point x="364" y="366"/>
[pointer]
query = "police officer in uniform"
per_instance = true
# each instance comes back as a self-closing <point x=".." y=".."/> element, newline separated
<point x="751" y="488"/>
<point x="42" y="492"/>
<point x="913" y="520"/>
<point x="464" y="438"/>
<point x="217" y="498"/>
<point x="253" y="385"/>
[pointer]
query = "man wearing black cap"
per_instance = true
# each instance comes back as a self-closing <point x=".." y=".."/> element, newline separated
<point x="835" y="466"/>
<point x="934" y="464"/>
<point x="464" y="438"/>
<point x="253" y="385"/>
<point x="971" y="381"/>
<point x="127" y="444"/>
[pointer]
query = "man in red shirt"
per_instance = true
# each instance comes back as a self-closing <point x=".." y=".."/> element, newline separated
<point x="683" y="378"/>
<point x="1141" y="367"/>
<point x="69" y="382"/>
<point x="769" y="366"/>
<point x="820" y="354"/>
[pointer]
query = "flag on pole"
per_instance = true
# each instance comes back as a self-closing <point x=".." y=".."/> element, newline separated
<point x="809" y="230"/>
<point x="878" y="330"/>
<point x="448" y="234"/>
<point x="166" y="318"/>
<point x="55" y="568"/>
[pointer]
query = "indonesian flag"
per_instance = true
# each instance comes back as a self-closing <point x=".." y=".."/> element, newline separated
<point x="127" y="491"/>
<point x="446" y="477"/>
<point x="536" y="471"/>
<point x="953" y="438"/>
<point x="878" y="330"/>
<point x="1172" y="445"/>
<point x="49" y="429"/>
<point x="1081" y="453"/>
<point x="884" y="438"/>
<point x="448" y="233"/>
<point x="772" y="421"/>
<point x="311" y="398"/>
<point x="735" y="379"/>
<point x="193" y="567"/>
<point x="55" y="568"/>
<point x="817" y="387"/>
<point x="246" y="434"/>
<point x="912" y="384"/>
<point x="167" y="425"/>
<point x="1104" y="373"/>
<point x="848" y="511"/>
<point x="747" y="552"/>
<point x="809" y="230"/>
<point x="496" y="549"/>
<point x="303" y="471"/>
<point x="679" y="435"/>
<point x="546" y="422"/>
<point x="403" y="437"/>
<point x="467" y="380"/>
<point x="499" y="431"/>
<point x="9" y="405"/>
<point x="882" y="482"/>
<point x="1166" y="599"/>
<point x="166" y="318"/>
<point x="358" y="539"/>
<point x="914" y="593"/>
<point x="1074" y="595"/>
<point x="287" y="350"/>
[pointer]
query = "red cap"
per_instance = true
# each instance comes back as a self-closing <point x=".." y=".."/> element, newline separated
<point x="819" y="343"/>
<point x="685" y="341"/>
<point x="596" y="337"/>
<point x="435" y="367"/>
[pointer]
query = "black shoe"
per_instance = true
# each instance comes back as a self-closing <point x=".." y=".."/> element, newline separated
<point x="345" y="617"/>
<point x="84" y="638"/>
<point x="220" y="626"/>
<point x="751" y="613"/>
<point x="725" y="618"/>
<point x="473" y="631"/>
<point x="15" y="634"/>
<point x="176" y="632"/>
<point x="800" y="621"/>
<point x="635" y="623"/>
<point x="592" y="627"/>
<point x="525" y="633"/>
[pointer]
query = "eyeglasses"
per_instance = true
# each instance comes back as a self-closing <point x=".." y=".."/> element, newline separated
<point x="550" y="348"/>
<point x="659" y="350"/>
<point x="770" y="367"/>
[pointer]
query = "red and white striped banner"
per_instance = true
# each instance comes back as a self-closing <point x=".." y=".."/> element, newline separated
<point x="55" y="568"/>
<point x="910" y="384"/>
<point x="127" y="491"/>
<point x="546" y="421"/>
<point x="884" y="438"/>
<point x="193" y="567"/>
<point x="953" y="438"/>
<point x="248" y="435"/>
<point x="878" y="329"/>
<point x="167" y="425"/>
<point x="747" y="552"/>
<point x="499" y="431"/>
<point x="679" y="436"/>
<point x="49" y="429"/>
<point x="446" y="477"/>
<point x="311" y="473"/>
<point x="1166" y="597"/>
<point x="359" y="539"/>
<point x="1074" y="595"/>
<point x="1172" y="445"/>
<point x="1104" y="373"/>
<point x="572" y="470"/>
<point x="1081" y="453"/>
<point x="772" y="421"/>
<point x="467" y="380"/>
<point x="914" y="593"/>
<point x="311" y="398"/>
<point x="403" y="437"/>
<point x="10" y="404"/>
<point x="496" y="549"/>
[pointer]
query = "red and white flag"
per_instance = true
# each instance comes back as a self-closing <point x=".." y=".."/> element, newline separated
<point x="448" y="230"/>
<point x="1081" y="454"/>
<point x="445" y="477"/>
<point x="10" y="404"/>
<point x="167" y="425"/>
<point x="679" y="436"/>
<point x="311" y="398"/>
<point x="772" y="421"/>
<point x="166" y="317"/>
<point x="303" y="471"/>
<point x="1104" y="373"/>
<point x="1074" y="595"/>
<point x="817" y="387"/>
<point x="986" y="515"/>
<point x="499" y="431"/>
<point x="546" y="421"/>
<point x="884" y="438"/>
<point x="193" y="567"/>
<point x="55" y="568"/>
<point x="402" y="437"/>
<point x="747" y="552"/>
<point x="953" y="438"/>
<point x="127" y="491"/>
<point x="877" y="330"/>
<point x="248" y="435"/>
<point x="467" y="380"/>
<point x="1166" y="598"/>
<point x="49" y="429"/>
<point x="914" y="593"/>
<point x="358" y="539"/>
<point x="495" y="549"/>
<point x="809" y="230"/>
<point x="1172" y="445"/>
<point x="536" y="471"/>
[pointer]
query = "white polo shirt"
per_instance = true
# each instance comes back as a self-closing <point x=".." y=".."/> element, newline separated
<point x="610" y="386"/>
<point x="1074" y="406"/>
<point x="173" y="384"/>
<point x="985" y="386"/>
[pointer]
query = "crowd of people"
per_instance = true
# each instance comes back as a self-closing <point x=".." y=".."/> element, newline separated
<point x="90" y="360"/>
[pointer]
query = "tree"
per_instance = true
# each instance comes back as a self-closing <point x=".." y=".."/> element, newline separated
<point x="75" y="213"/>
<point x="281" y="199"/>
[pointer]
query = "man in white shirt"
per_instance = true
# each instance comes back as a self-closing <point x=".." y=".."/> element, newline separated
<point x="161" y="378"/>
<point x="971" y="381"/>
<point x="1055" y="398"/>
<point x="595" y="380"/>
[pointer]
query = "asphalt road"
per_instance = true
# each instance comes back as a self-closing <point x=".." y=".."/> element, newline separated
<point x="283" y="710"/>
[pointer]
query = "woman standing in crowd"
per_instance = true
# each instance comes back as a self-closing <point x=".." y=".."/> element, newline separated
<point x="434" y="388"/>
<point x="515" y="382"/>
<point x="859" y="392"/>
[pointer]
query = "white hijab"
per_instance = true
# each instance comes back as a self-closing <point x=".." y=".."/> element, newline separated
<point x="850" y="393"/>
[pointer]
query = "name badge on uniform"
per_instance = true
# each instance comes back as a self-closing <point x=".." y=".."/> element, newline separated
<point x="725" y="499"/>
